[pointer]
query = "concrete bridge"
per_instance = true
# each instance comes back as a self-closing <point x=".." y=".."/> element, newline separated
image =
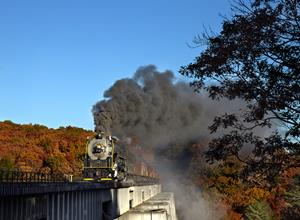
<point x="84" y="201"/>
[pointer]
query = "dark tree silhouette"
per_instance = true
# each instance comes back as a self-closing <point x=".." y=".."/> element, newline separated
<point x="255" y="58"/>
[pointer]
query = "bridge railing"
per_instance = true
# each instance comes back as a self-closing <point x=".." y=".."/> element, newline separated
<point x="16" y="176"/>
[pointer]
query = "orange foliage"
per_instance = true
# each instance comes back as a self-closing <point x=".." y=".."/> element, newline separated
<point x="38" y="148"/>
<point x="232" y="215"/>
<point x="238" y="194"/>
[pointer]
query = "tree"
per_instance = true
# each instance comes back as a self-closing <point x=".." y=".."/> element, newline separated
<point x="255" y="58"/>
<point x="259" y="211"/>
<point x="6" y="163"/>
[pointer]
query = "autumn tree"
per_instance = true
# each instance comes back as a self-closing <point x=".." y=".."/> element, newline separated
<point x="255" y="58"/>
<point x="40" y="149"/>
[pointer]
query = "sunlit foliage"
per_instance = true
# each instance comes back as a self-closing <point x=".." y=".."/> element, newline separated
<point x="38" y="148"/>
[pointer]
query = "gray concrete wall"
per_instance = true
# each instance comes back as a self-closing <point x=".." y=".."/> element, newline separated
<point x="86" y="204"/>
<point x="126" y="198"/>
<point x="159" y="207"/>
<point x="76" y="205"/>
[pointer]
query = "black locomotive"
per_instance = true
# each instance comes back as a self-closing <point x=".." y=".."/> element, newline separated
<point x="102" y="162"/>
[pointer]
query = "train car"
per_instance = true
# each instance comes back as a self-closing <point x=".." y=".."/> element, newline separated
<point x="102" y="161"/>
<point x="143" y="169"/>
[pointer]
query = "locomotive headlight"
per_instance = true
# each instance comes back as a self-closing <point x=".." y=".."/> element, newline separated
<point x="98" y="149"/>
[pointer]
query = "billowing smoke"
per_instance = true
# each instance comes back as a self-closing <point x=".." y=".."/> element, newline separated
<point x="153" y="107"/>
<point x="165" y="114"/>
<point x="161" y="112"/>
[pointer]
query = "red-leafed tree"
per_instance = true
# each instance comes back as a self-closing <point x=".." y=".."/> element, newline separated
<point x="40" y="149"/>
<point x="256" y="58"/>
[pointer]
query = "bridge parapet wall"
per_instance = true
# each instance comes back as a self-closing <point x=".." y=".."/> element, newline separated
<point x="126" y="198"/>
<point x="78" y="201"/>
<point x="159" y="207"/>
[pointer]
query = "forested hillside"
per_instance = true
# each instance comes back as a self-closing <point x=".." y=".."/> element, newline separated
<point x="41" y="149"/>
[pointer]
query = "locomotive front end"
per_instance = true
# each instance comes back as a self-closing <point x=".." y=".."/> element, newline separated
<point x="98" y="164"/>
<point x="102" y="163"/>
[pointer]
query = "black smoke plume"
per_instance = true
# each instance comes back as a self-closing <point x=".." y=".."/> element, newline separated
<point x="153" y="107"/>
<point x="166" y="114"/>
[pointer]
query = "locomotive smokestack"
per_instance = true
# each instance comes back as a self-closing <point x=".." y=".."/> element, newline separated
<point x="104" y="117"/>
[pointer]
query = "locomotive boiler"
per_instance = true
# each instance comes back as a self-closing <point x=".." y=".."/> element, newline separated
<point x="102" y="161"/>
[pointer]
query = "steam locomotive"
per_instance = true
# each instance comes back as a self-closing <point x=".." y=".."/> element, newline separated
<point x="102" y="161"/>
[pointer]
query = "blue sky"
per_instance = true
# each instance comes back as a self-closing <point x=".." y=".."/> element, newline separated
<point x="57" y="57"/>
